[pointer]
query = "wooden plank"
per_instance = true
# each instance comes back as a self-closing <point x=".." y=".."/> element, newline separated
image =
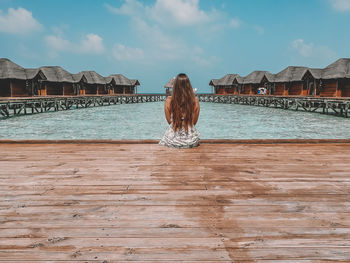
<point x="142" y="202"/>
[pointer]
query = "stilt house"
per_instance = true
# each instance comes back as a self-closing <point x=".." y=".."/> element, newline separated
<point x="224" y="85"/>
<point x="123" y="85"/>
<point x="16" y="81"/>
<point x="169" y="86"/>
<point x="255" y="80"/>
<point x="61" y="82"/>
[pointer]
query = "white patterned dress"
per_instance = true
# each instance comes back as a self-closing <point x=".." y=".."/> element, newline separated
<point x="180" y="139"/>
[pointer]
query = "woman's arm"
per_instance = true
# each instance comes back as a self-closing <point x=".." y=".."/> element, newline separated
<point x="196" y="112"/>
<point x="167" y="109"/>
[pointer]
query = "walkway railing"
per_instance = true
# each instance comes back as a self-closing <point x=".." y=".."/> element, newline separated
<point x="31" y="105"/>
<point x="335" y="106"/>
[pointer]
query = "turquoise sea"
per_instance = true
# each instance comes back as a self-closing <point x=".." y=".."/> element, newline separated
<point x="146" y="121"/>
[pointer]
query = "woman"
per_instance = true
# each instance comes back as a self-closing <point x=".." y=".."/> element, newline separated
<point x="181" y="112"/>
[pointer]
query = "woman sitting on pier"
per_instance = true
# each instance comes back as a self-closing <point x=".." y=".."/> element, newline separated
<point x="181" y="112"/>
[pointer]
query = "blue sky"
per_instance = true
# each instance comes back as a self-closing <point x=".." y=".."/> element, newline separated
<point x="153" y="40"/>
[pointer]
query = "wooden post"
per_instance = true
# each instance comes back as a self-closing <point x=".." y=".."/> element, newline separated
<point x="338" y="92"/>
<point x="304" y="90"/>
<point x="10" y="88"/>
<point x="251" y="89"/>
<point x="286" y="89"/>
<point x="315" y="88"/>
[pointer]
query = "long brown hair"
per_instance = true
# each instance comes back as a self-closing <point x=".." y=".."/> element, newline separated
<point x="182" y="103"/>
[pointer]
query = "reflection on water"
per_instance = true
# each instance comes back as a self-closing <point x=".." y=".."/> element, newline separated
<point x="147" y="121"/>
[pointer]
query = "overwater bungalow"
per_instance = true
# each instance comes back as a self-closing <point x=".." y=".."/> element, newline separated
<point x="225" y="85"/>
<point x="214" y="84"/>
<point x="95" y="83"/>
<point x="255" y="80"/>
<point x="134" y="84"/>
<point x="332" y="81"/>
<point x="35" y="78"/>
<point x="290" y="81"/>
<point x="312" y="80"/>
<point x="61" y="82"/>
<point x="123" y="85"/>
<point x="16" y="81"/>
<point x="169" y="86"/>
<point x="53" y="80"/>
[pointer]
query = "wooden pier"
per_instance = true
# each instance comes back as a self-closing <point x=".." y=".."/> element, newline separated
<point x="31" y="105"/>
<point x="230" y="202"/>
<point x="336" y="106"/>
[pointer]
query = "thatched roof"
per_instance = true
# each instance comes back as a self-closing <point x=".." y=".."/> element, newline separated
<point x="227" y="80"/>
<point x="257" y="76"/>
<point x="338" y="69"/>
<point x="239" y="79"/>
<point x="58" y="74"/>
<point x="121" y="80"/>
<point x="135" y="82"/>
<point x="290" y="74"/>
<point x="31" y="73"/>
<point x="170" y="84"/>
<point x="10" y="70"/>
<point x="213" y="82"/>
<point x="79" y="78"/>
<point x="93" y="77"/>
<point x="315" y="72"/>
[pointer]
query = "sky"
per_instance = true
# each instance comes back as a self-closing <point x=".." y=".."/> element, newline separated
<point x="154" y="40"/>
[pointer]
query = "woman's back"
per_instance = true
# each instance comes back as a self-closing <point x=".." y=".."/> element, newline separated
<point x="181" y="112"/>
<point x="168" y="111"/>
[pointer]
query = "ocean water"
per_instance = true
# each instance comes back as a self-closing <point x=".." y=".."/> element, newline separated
<point x="147" y="121"/>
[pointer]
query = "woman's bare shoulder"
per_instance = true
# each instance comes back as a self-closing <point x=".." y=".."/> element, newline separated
<point x="167" y="102"/>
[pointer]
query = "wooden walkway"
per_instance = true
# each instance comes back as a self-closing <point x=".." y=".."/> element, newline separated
<point x="339" y="106"/>
<point x="147" y="203"/>
<point x="31" y="105"/>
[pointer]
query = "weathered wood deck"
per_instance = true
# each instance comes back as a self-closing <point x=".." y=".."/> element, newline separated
<point x="147" y="203"/>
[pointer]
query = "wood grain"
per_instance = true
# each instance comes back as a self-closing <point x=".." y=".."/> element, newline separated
<point x="226" y="202"/>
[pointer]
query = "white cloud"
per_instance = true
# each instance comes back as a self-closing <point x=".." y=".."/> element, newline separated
<point x="164" y="47"/>
<point x="304" y="49"/>
<point x="155" y="37"/>
<point x="130" y="7"/>
<point x="312" y="52"/>
<point x="90" y="44"/>
<point x="341" y="5"/>
<point x="182" y="12"/>
<point x="58" y="43"/>
<point x="121" y="52"/>
<point x="235" y="23"/>
<point x="18" y="21"/>
<point x="166" y="12"/>
<point x="156" y="27"/>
